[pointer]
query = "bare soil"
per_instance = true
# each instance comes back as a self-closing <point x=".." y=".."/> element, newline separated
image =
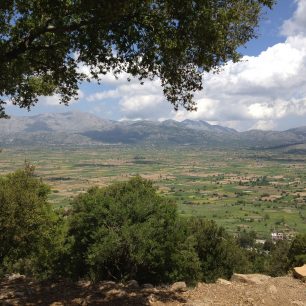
<point x="280" y="291"/>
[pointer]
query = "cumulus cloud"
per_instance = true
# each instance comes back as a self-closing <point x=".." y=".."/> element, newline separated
<point x="103" y="95"/>
<point x="296" y="25"/>
<point x="136" y="101"/>
<point x="264" y="125"/>
<point x="207" y="109"/>
<point x="55" y="99"/>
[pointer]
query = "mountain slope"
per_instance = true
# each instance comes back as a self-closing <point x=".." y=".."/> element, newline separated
<point x="78" y="128"/>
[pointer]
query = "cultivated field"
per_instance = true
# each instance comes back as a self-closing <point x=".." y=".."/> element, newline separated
<point x="263" y="191"/>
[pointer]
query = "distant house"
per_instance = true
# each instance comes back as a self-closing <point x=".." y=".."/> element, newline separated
<point x="260" y="241"/>
<point x="277" y="236"/>
<point x="282" y="236"/>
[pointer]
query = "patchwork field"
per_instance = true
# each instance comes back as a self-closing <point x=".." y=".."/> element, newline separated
<point x="263" y="191"/>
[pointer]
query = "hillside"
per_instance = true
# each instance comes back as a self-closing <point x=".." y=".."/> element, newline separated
<point x="83" y="129"/>
<point x="264" y="291"/>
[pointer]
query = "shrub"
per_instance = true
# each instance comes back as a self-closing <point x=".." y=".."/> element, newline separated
<point x="297" y="251"/>
<point x="247" y="239"/>
<point x="29" y="230"/>
<point x="219" y="253"/>
<point x="128" y="231"/>
<point x="279" y="262"/>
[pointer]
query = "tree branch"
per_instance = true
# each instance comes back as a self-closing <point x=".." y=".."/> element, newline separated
<point x="26" y="44"/>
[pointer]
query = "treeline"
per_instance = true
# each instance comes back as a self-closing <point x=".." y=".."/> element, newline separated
<point x="121" y="232"/>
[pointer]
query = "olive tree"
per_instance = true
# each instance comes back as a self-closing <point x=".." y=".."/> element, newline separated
<point x="43" y="43"/>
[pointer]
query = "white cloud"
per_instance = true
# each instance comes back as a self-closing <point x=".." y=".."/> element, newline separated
<point x="103" y="95"/>
<point x="269" y="111"/>
<point x="296" y="25"/>
<point x="207" y="108"/>
<point x="55" y="99"/>
<point x="271" y="74"/>
<point x="140" y="103"/>
<point x="50" y="100"/>
<point x="264" y="125"/>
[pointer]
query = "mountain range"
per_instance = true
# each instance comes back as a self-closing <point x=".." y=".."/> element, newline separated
<point x="79" y="128"/>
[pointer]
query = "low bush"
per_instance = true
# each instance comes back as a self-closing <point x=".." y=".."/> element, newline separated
<point x="128" y="231"/>
<point x="31" y="234"/>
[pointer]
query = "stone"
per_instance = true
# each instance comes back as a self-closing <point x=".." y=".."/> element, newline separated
<point x="151" y="299"/>
<point x="254" y="279"/>
<point x="108" y="284"/>
<point x="132" y="284"/>
<point x="84" y="283"/>
<point x="300" y="272"/>
<point x="179" y="286"/>
<point x="116" y="293"/>
<point x="15" y="276"/>
<point x="272" y="289"/>
<point x="3" y="297"/>
<point x="79" y="301"/>
<point x="147" y="286"/>
<point x="222" y="281"/>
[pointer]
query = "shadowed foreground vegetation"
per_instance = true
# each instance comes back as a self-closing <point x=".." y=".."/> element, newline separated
<point x="121" y="232"/>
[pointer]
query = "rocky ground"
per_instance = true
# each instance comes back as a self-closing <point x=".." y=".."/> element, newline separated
<point x="241" y="290"/>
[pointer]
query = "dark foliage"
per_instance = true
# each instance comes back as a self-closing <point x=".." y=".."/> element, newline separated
<point x="44" y="42"/>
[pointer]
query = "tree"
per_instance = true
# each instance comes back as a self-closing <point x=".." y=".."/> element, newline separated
<point x="247" y="239"/>
<point x="43" y="42"/>
<point x="29" y="230"/>
<point x="127" y="231"/>
<point x="279" y="261"/>
<point x="297" y="251"/>
<point x="219" y="253"/>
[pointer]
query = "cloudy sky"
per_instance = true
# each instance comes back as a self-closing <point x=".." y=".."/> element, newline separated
<point x="266" y="90"/>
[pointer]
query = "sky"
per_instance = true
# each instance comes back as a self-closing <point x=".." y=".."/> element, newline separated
<point x="265" y="90"/>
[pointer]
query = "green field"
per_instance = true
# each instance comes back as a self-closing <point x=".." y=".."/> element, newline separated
<point x="263" y="191"/>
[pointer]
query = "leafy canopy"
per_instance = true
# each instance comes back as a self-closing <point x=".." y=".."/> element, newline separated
<point x="218" y="252"/>
<point x="128" y="231"/>
<point x="43" y="42"/>
<point x="30" y="234"/>
<point x="297" y="251"/>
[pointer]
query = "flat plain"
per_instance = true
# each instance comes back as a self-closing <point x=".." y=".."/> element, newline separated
<point x="263" y="191"/>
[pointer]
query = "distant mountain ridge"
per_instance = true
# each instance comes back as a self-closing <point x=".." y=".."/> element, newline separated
<point x="78" y="128"/>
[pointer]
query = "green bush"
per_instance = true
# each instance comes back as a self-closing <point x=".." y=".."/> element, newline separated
<point x="128" y="231"/>
<point x="29" y="230"/>
<point x="297" y="251"/>
<point x="247" y="239"/>
<point x="218" y="252"/>
<point x="278" y="260"/>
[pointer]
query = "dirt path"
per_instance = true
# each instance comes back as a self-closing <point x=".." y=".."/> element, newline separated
<point x="280" y="291"/>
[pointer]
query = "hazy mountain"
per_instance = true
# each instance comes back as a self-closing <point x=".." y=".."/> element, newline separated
<point x="54" y="122"/>
<point x="77" y="128"/>
<point x="204" y="126"/>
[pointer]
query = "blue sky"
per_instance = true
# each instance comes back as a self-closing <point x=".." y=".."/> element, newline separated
<point x="267" y="90"/>
<point x="269" y="28"/>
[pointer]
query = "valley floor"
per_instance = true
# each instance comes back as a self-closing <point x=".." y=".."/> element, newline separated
<point x="240" y="190"/>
